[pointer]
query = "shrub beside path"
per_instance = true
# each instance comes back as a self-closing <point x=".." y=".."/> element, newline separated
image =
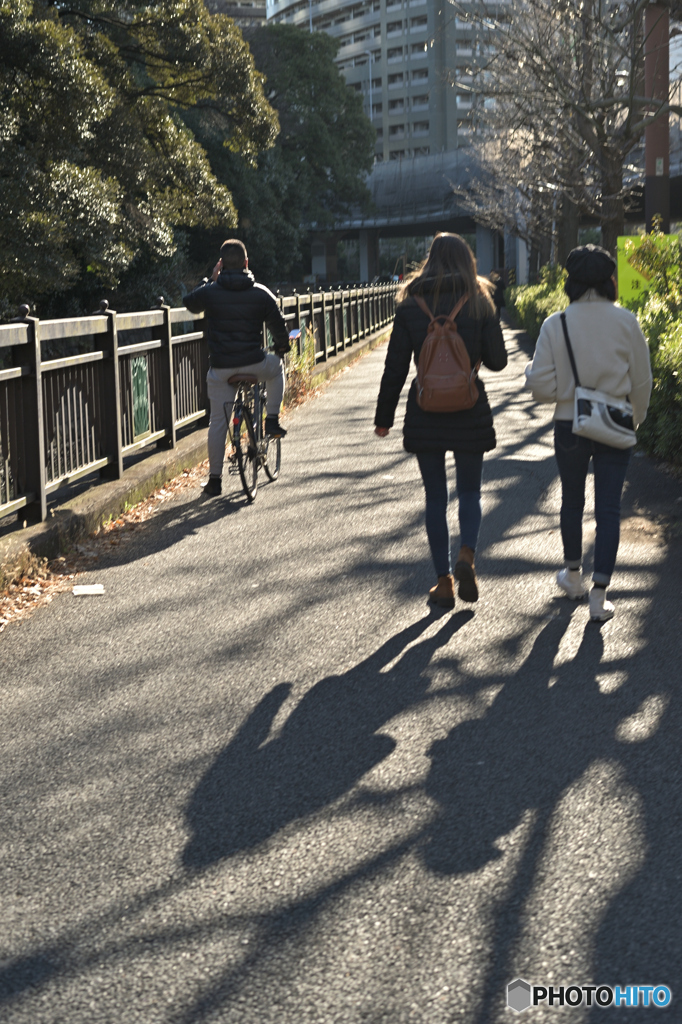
<point x="258" y="780"/>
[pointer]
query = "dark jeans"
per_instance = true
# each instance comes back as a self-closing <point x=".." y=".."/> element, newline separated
<point x="573" y="456"/>
<point x="469" y="469"/>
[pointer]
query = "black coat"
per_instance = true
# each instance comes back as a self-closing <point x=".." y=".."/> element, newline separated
<point x="236" y="309"/>
<point x="470" y="430"/>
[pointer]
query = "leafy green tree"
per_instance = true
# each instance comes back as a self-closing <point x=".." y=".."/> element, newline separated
<point x="316" y="170"/>
<point x="97" y="166"/>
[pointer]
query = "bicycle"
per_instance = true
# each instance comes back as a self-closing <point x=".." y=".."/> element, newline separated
<point x="252" y="449"/>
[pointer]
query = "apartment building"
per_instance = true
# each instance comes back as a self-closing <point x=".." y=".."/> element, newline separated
<point x="245" y="12"/>
<point x="407" y="58"/>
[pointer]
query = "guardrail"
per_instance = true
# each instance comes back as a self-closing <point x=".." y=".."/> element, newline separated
<point x="63" y="418"/>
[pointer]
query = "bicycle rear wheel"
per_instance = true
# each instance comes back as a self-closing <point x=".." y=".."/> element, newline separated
<point x="247" y="454"/>
<point x="273" y="457"/>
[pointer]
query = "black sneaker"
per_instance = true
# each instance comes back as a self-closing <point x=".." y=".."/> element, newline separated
<point x="213" y="487"/>
<point x="273" y="428"/>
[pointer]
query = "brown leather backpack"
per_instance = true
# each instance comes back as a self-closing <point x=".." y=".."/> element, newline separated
<point x="445" y="380"/>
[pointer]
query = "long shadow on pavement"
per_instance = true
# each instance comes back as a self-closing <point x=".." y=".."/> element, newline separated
<point x="328" y="742"/>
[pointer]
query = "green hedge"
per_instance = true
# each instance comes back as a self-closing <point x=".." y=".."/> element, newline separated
<point x="661" y="432"/>
<point x="530" y="305"/>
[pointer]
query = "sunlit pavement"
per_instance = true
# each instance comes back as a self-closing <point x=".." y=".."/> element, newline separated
<point x="259" y="781"/>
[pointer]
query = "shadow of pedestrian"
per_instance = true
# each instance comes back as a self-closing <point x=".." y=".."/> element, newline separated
<point x="329" y="741"/>
<point x="544" y="732"/>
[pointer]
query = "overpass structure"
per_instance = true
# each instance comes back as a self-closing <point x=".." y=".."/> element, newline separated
<point x="409" y="197"/>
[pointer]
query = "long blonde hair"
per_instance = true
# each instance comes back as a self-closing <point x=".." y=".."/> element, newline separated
<point x="450" y="258"/>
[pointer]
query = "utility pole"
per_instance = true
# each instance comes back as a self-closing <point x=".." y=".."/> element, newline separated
<point x="657" y="135"/>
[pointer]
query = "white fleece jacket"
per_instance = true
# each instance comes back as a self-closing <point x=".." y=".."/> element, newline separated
<point x="610" y="351"/>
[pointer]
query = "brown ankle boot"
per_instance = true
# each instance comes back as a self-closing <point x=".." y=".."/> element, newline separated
<point x="465" y="574"/>
<point x="443" y="594"/>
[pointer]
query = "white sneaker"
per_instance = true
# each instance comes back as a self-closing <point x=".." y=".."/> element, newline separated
<point x="571" y="582"/>
<point x="600" y="609"/>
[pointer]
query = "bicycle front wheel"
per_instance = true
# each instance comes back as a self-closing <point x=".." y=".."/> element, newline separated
<point x="247" y="455"/>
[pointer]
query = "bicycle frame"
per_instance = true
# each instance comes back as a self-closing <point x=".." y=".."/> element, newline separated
<point x="247" y="412"/>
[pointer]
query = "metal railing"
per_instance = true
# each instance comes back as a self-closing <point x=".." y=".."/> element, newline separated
<point x="63" y="418"/>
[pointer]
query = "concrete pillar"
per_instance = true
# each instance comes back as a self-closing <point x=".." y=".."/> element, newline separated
<point x="324" y="260"/>
<point x="510" y="256"/>
<point x="319" y="261"/>
<point x="521" y="261"/>
<point x="369" y="255"/>
<point x="485" y="249"/>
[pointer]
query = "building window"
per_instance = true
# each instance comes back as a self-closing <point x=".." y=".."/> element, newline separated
<point x="396" y="106"/>
<point x="396" y="131"/>
<point x="420" y="102"/>
<point x="380" y="133"/>
<point x="418" y="50"/>
<point x="420" y="76"/>
<point x="421" y="151"/>
<point x="394" y="28"/>
<point x="397" y="154"/>
<point x="418" y="24"/>
<point x="377" y="108"/>
<point x="394" y="54"/>
<point x="396" y="81"/>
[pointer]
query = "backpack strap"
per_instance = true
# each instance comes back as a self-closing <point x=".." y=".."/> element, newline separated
<point x="425" y="309"/>
<point x="459" y="305"/>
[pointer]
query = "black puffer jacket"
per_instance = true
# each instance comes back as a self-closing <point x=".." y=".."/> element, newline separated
<point x="470" y="430"/>
<point x="236" y="309"/>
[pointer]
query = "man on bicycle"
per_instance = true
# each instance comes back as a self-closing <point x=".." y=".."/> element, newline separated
<point x="235" y="309"/>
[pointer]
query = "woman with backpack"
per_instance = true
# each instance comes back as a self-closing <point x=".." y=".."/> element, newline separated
<point x="442" y="415"/>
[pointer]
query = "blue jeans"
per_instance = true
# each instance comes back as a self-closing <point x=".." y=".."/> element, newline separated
<point x="469" y="469"/>
<point x="573" y="456"/>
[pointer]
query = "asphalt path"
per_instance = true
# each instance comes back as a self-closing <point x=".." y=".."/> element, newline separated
<point x="260" y="782"/>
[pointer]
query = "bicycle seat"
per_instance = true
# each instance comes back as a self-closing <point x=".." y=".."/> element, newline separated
<point x="242" y="378"/>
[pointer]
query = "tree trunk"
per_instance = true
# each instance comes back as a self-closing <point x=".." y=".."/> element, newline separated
<point x="612" y="207"/>
<point x="567" y="228"/>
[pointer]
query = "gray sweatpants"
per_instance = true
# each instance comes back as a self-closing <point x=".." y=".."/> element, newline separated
<point x="220" y="394"/>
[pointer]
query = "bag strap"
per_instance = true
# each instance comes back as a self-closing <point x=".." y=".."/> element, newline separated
<point x="457" y="308"/>
<point x="570" y="351"/>
<point x="425" y="309"/>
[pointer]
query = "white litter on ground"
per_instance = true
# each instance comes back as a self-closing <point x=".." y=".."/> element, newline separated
<point x="85" y="589"/>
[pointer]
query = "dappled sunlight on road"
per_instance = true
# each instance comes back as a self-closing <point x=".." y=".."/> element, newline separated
<point x="285" y="791"/>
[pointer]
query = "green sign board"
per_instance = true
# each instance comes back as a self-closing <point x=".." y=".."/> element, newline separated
<point x="631" y="283"/>
<point x="140" y="382"/>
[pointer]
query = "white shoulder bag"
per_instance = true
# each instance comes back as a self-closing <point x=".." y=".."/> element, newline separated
<point x="599" y="416"/>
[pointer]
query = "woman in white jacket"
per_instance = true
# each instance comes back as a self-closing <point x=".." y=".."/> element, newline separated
<point x="612" y="356"/>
